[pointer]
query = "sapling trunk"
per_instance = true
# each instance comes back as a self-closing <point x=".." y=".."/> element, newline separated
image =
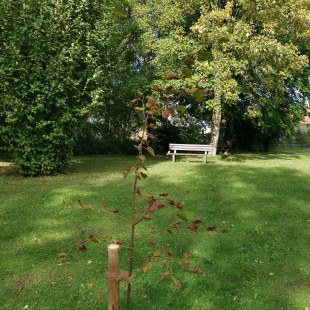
<point x="131" y="246"/>
<point x="133" y="219"/>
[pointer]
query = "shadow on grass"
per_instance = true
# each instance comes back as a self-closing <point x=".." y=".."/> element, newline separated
<point x="260" y="263"/>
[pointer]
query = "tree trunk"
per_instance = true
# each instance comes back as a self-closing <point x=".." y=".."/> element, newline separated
<point x="216" y="125"/>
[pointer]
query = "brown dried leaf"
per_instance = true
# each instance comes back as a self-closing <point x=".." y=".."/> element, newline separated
<point x="169" y="253"/>
<point x="85" y="206"/>
<point x="171" y="201"/>
<point x="82" y="248"/>
<point x="93" y="238"/>
<point x="147" y="267"/>
<point x="165" y="274"/>
<point x="155" y="206"/>
<point x="138" y="192"/>
<point x="150" y="150"/>
<point x="193" y="227"/>
<point x="210" y="228"/>
<point x="182" y="216"/>
<point x="188" y="254"/>
<point x="157" y="254"/>
<point x="177" y="225"/>
<point x="179" y="205"/>
<point x="141" y="159"/>
<point x="153" y="242"/>
<point x="61" y="255"/>
<point x="176" y="282"/>
<point x="152" y="198"/>
<point x="150" y="102"/>
<point x="146" y="217"/>
<point x="139" y="109"/>
<point x="159" y="263"/>
<point x="183" y="262"/>
<point x="135" y="100"/>
<point x="195" y="270"/>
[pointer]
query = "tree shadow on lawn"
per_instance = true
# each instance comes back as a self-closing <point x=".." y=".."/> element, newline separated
<point x="260" y="262"/>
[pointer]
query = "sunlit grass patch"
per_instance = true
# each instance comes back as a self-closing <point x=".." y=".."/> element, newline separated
<point x="255" y="257"/>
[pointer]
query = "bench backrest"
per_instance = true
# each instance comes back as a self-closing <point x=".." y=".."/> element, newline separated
<point x="190" y="147"/>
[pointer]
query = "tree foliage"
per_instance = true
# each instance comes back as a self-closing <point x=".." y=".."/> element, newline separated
<point x="57" y="61"/>
<point x="244" y="53"/>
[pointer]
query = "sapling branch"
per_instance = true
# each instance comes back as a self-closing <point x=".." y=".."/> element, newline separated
<point x="116" y="215"/>
<point x="151" y="234"/>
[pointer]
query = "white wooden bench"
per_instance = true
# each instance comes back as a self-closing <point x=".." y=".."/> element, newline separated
<point x="190" y="150"/>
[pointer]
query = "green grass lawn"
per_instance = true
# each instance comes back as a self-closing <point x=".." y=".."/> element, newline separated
<point x="261" y="262"/>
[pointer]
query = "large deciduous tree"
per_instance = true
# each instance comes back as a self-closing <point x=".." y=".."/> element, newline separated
<point x="245" y="53"/>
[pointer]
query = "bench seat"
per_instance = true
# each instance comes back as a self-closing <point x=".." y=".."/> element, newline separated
<point x="194" y="149"/>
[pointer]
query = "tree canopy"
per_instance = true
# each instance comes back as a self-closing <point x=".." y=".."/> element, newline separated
<point x="64" y="61"/>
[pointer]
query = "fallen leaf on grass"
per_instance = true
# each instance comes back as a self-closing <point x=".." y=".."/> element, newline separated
<point x="169" y="253"/>
<point x="195" y="270"/>
<point x="210" y="228"/>
<point x="163" y="194"/>
<point x="182" y="216"/>
<point x="155" y="206"/>
<point x="183" y="262"/>
<point x="85" y="206"/>
<point x="147" y="267"/>
<point x="177" y="225"/>
<point x="82" y="248"/>
<point x="165" y="274"/>
<point x="93" y="238"/>
<point x="61" y="255"/>
<point x="157" y="254"/>
<point x="193" y="227"/>
<point x="176" y="282"/>
<point x="188" y="254"/>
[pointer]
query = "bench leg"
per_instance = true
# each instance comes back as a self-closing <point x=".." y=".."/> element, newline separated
<point x="205" y="157"/>
<point x="173" y="158"/>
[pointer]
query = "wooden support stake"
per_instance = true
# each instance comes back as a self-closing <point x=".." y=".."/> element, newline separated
<point x="113" y="276"/>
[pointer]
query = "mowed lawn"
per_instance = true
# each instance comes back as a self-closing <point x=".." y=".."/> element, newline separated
<point x="256" y="257"/>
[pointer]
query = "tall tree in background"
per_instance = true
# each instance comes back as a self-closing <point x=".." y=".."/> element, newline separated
<point x="245" y="53"/>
